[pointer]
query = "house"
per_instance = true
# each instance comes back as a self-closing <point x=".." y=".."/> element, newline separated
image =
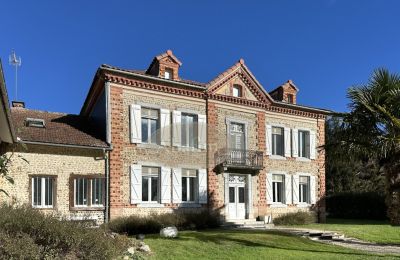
<point x="162" y="144"/>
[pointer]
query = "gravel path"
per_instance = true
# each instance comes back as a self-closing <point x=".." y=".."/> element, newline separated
<point x="345" y="241"/>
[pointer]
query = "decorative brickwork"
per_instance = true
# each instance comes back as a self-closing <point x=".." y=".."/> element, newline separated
<point x="321" y="170"/>
<point x="261" y="201"/>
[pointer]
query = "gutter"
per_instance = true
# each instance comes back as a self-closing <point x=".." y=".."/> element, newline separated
<point x="303" y="107"/>
<point x="153" y="78"/>
<point x="68" y="145"/>
<point x="107" y="173"/>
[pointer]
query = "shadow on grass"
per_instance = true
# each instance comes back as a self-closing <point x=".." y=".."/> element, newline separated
<point x="226" y="237"/>
<point x="356" y="222"/>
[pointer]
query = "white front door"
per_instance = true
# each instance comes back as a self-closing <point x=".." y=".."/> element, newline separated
<point x="237" y="197"/>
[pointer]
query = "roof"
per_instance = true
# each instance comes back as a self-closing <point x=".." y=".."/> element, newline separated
<point x="60" y="128"/>
<point x="6" y="127"/>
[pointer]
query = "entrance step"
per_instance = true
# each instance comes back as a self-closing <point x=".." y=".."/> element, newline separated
<point x="247" y="223"/>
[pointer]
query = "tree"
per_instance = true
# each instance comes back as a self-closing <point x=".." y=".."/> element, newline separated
<point x="371" y="131"/>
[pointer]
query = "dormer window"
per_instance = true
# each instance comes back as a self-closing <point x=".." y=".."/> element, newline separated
<point x="35" y="122"/>
<point x="168" y="73"/>
<point x="290" y="98"/>
<point x="237" y="91"/>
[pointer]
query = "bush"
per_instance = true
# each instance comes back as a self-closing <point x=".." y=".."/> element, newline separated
<point x="27" y="233"/>
<point x="153" y="223"/>
<point x="295" y="218"/>
<point x="349" y="205"/>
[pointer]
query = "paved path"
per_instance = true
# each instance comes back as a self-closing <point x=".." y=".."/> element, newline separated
<point x="346" y="242"/>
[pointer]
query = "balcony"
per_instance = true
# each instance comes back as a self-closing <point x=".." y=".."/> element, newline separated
<point x="238" y="159"/>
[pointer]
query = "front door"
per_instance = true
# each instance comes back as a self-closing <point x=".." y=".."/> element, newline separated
<point x="237" y="197"/>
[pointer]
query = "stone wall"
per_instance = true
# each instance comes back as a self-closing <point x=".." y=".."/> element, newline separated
<point x="60" y="162"/>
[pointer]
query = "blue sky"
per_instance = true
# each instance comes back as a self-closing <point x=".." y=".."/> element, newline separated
<point x="324" y="46"/>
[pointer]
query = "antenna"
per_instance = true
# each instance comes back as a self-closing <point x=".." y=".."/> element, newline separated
<point x="15" y="61"/>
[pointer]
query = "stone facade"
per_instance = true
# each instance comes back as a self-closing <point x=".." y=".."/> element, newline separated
<point x="63" y="164"/>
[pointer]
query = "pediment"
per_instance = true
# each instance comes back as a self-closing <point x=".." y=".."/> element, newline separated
<point x="239" y="75"/>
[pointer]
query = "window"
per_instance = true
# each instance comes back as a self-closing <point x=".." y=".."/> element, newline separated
<point x="290" y="98"/>
<point x="189" y="131"/>
<point x="168" y="73"/>
<point x="150" y="125"/>
<point x="278" y="187"/>
<point x="237" y="91"/>
<point x="304" y="144"/>
<point x="150" y="187"/>
<point x="43" y="192"/>
<point x="277" y="141"/>
<point x="189" y="185"/>
<point x="35" y="122"/>
<point x="88" y="192"/>
<point x="304" y="189"/>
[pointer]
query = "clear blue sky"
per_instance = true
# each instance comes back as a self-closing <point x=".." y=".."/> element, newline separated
<point x="325" y="46"/>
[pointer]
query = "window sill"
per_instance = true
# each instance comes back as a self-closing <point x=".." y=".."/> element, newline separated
<point x="303" y="159"/>
<point x="100" y="208"/>
<point x="189" y="149"/>
<point x="150" y="205"/>
<point x="149" y="146"/>
<point x="278" y="205"/>
<point x="277" y="157"/>
<point x="44" y="208"/>
<point x="303" y="205"/>
<point x="189" y="205"/>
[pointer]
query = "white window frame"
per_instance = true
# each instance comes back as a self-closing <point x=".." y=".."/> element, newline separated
<point x="43" y="192"/>
<point x="299" y="144"/>
<point x="283" y="141"/>
<point x="149" y="189"/>
<point x="239" y="90"/>
<point x="275" y="191"/>
<point x="148" y="142"/>
<point x="89" y="185"/>
<point x="195" y="199"/>
<point x="187" y="128"/>
<point x="168" y="72"/>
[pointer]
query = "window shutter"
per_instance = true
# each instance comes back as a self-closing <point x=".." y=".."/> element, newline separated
<point x="295" y="142"/>
<point x="312" y="145"/>
<point x="203" y="186"/>
<point x="136" y="183"/>
<point x="202" y="131"/>
<point x="268" y="139"/>
<point x="165" y="131"/>
<point x="313" y="189"/>
<point x="177" y="185"/>
<point x="269" y="189"/>
<point x="176" y="126"/>
<point x="296" y="189"/>
<point x="288" y="189"/>
<point x="136" y="126"/>
<point x="165" y="185"/>
<point x="287" y="142"/>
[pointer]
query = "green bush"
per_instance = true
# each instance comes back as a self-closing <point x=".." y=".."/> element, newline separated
<point x="153" y="223"/>
<point x="350" y="205"/>
<point x="27" y="233"/>
<point x="295" y="218"/>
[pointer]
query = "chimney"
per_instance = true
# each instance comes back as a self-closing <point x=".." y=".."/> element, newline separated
<point x="18" y="104"/>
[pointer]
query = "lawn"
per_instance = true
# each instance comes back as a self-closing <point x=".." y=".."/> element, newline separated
<point x="368" y="230"/>
<point x="227" y="244"/>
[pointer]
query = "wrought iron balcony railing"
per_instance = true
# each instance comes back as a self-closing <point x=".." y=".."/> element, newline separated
<point x="239" y="158"/>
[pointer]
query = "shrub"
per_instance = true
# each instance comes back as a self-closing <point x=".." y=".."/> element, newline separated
<point x="153" y="223"/>
<point x="23" y="229"/>
<point x="350" y="205"/>
<point x="295" y="218"/>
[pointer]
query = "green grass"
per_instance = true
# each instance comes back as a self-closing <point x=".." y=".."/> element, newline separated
<point x="226" y="244"/>
<point x="368" y="230"/>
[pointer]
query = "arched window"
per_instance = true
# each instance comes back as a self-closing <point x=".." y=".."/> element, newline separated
<point x="237" y="91"/>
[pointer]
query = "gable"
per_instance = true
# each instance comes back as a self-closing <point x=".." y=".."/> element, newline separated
<point x="239" y="75"/>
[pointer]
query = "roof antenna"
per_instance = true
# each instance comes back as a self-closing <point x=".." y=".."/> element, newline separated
<point x="15" y="61"/>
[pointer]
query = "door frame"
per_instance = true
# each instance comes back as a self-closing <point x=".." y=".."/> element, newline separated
<point x="248" y="194"/>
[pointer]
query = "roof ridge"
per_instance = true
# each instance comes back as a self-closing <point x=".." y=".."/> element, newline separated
<point x="41" y="111"/>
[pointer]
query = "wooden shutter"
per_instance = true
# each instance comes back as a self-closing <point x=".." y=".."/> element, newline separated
<point x="268" y="139"/>
<point x="313" y="146"/>
<point x="288" y="189"/>
<point x="202" y="131"/>
<point x="135" y="124"/>
<point x="313" y="189"/>
<point x="202" y="175"/>
<point x="165" y="131"/>
<point x="165" y="185"/>
<point x="295" y="142"/>
<point x="177" y="185"/>
<point x="295" y="189"/>
<point x="269" y="188"/>
<point x="176" y="128"/>
<point x="136" y="183"/>
<point x="288" y="148"/>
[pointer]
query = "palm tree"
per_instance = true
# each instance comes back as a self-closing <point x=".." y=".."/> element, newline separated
<point x="372" y="130"/>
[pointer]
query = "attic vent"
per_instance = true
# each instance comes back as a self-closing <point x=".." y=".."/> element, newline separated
<point x="35" y="122"/>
